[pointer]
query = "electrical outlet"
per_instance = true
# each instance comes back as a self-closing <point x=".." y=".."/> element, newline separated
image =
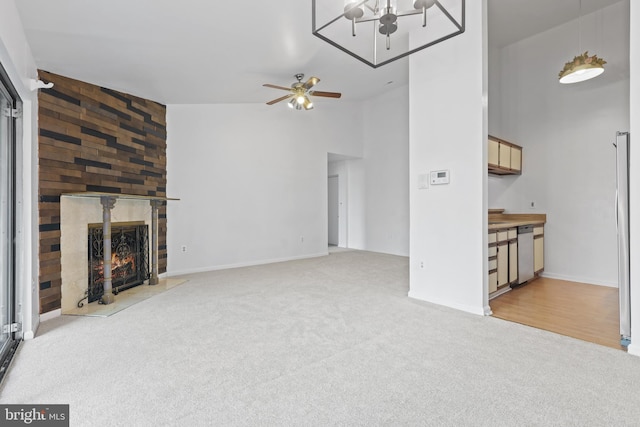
<point x="532" y="205"/>
<point x="421" y="264"/>
<point x="184" y="248"/>
<point x="301" y="239"/>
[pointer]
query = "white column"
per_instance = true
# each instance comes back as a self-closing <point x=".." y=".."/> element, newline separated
<point x="448" y="131"/>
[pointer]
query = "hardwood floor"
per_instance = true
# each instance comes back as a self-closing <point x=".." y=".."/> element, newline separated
<point x="578" y="310"/>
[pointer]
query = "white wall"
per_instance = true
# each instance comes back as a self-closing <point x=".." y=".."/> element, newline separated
<point x="634" y="347"/>
<point x="448" y="128"/>
<point x="16" y="58"/>
<point x="494" y="88"/>
<point x="252" y="180"/>
<point x="386" y="163"/>
<point x="374" y="190"/>
<point x="566" y="132"/>
<point x="351" y="233"/>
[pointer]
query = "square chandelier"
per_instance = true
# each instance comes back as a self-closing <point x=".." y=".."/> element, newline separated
<point x="378" y="32"/>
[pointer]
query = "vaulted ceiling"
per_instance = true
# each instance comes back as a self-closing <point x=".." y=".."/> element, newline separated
<point x="196" y="51"/>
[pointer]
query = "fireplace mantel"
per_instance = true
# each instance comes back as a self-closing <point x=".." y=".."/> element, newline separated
<point x="108" y="201"/>
<point x="97" y="195"/>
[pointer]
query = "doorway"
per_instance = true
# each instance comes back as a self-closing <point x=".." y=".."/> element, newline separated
<point x="9" y="112"/>
<point x="333" y="192"/>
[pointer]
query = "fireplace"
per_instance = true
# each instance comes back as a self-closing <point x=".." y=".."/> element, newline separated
<point x="129" y="257"/>
<point x="80" y="212"/>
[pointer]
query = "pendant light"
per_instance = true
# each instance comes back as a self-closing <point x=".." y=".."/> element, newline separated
<point x="377" y="32"/>
<point x="582" y="67"/>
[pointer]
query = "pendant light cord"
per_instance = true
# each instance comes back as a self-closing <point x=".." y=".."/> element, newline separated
<point x="580" y="26"/>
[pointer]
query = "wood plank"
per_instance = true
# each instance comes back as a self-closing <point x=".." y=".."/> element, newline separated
<point x="578" y="310"/>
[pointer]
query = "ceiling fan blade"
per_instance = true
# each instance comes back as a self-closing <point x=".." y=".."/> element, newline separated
<point x="325" y="94"/>
<point x="276" y="87"/>
<point x="282" y="98"/>
<point x="311" y="83"/>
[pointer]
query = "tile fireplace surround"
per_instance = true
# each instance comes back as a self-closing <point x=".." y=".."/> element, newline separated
<point x="76" y="213"/>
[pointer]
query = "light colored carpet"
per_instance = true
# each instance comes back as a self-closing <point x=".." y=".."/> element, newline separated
<point x="324" y="341"/>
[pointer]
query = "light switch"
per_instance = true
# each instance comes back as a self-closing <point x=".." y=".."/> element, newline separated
<point x="423" y="181"/>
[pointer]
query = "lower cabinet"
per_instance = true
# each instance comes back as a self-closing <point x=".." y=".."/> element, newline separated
<point x="538" y="249"/>
<point x="503" y="264"/>
<point x="503" y="258"/>
<point x="493" y="261"/>
<point x="513" y="261"/>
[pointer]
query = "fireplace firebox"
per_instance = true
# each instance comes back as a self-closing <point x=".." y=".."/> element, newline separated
<point x="129" y="257"/>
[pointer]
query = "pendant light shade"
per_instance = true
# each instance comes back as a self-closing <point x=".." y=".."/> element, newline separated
<point x="583" y="67"/>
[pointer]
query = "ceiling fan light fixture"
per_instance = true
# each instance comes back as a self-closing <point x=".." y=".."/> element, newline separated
<point x="299" y="93"/>
<point x="308" y="105"/>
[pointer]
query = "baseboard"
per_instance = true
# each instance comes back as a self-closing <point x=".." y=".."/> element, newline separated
<point x="50" y="315"/>
<point x="634" y="349"/>
<point x="579" y="279"/>
<point x="480" y="310"/>
<point x="243" y="264"/>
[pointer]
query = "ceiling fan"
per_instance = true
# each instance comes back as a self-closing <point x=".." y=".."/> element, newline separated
<point x="300" y="93"/>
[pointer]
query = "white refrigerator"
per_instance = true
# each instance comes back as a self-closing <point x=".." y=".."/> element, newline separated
<point x="622" y="222"/>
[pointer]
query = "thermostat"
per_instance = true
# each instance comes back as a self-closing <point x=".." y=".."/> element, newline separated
<point x="439" y="177"/>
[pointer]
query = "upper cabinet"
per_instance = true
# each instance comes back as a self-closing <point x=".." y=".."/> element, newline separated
<point x="505" y="158"/>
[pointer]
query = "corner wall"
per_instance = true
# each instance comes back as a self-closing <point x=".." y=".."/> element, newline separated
<point x="386" y="169"/>
<point x="252" y="181"/>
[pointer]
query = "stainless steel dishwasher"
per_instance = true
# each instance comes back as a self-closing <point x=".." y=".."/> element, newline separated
<point x="525" y="253"/>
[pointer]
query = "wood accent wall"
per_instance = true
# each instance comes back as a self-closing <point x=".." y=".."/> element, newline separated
<point x="94" y="139"/>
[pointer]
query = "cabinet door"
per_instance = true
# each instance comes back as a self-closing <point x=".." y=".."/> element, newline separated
<point x="503" y="265"/>
<point x="513" y="261"/>
<point x="505" y="156"/>
<point x="516" y="159"/>
<point x="494" y="152"/>
<point x="538" y="254"/>
<point x="493" y="282"/>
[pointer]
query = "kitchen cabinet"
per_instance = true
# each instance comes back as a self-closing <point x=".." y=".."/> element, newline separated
<point x="513" y="260"/>
<point x="493" y="261"/>
<point x="538" y="249"/>
<point x="503" y="258"/>
<point x="504" y="158"/>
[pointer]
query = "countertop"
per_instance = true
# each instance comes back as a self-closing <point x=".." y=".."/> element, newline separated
<point x="502" y="220"/>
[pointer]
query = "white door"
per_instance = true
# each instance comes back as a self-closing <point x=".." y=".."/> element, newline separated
<point x="333" y="210"/>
